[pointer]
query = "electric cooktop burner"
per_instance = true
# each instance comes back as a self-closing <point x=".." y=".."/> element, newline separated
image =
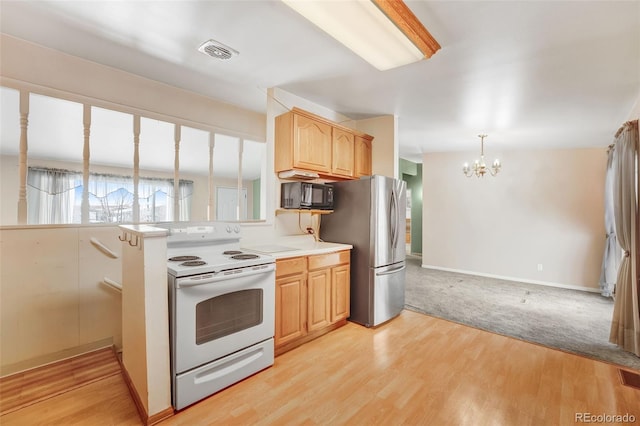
<point x="229" y="252"/>
<point x="183" y="258"/>
<point x="245" y="256"/>
<point x="193" y="262"/>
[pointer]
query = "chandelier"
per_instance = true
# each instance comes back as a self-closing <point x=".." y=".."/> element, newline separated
<point x="479" y="168"/>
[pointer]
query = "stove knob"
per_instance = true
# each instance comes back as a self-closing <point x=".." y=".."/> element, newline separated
<point x="236" y="229"/>
<point x="229" y="229"/>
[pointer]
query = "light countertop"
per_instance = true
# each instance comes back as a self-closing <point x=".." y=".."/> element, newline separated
<point x="146" y="231"/>
<point x="294" y="246"/>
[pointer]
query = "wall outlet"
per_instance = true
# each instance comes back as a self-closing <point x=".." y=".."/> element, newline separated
<point x="539" y="267"/>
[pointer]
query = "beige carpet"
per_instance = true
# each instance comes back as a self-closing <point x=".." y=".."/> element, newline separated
<point x="570" y="320"/>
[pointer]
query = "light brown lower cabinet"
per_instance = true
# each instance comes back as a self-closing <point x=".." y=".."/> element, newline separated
<point x="318" y="299"/>
<point x="340" y="292"/>
<point x="312" y="297"/>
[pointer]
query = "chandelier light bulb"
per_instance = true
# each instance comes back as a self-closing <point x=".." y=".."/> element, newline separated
<point x="479" y="168"/>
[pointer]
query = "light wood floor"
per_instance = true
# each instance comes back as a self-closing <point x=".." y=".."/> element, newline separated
<point x="414" y="370"/>
<point x="23" y="389"/>
<point x="84" y="390"/>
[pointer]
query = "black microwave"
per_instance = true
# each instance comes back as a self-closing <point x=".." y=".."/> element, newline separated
<point x="306" y="195"/>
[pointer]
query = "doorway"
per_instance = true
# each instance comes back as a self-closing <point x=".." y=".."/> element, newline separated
<point x="227" y="206"/>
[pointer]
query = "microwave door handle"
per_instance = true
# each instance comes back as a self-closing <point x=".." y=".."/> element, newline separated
<point x="307" y="196"/>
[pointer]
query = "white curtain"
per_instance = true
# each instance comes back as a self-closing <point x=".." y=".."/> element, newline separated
<point x="110" y="198"/>
<point x="612" y="252"/>
<point x="185" y="189"/>
<point x="625" y="325"/>
<point x="54" y="196"/>
<point x="153" y="200"/>
<point x="51" y="195"/>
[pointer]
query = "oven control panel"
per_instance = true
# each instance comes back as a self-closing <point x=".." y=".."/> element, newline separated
<point x="205" y="231"/>
<point x="235" y="228"/>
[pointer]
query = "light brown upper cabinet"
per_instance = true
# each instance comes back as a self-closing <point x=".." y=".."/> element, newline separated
<point x="309" y="142"/>
<point x="362" y="156"/>
<point x="302" y="142"/>
<point x="342" y="158"/>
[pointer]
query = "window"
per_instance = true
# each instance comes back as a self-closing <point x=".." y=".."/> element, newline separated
<point x="82" y="161"/>
<point x="51" y="196"/>
<point x="55" y="196"/>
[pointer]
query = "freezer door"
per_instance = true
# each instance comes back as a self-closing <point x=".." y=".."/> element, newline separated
<point x="388" y="292"/>
<point x="388" y="220"/>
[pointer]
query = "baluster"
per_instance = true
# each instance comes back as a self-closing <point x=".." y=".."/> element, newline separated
<point x="86" y="156"/>
<point x="176" y="174"/>
<point x="239" y="207"/>
<point x="211" y="209"/>
<point x="22" y="159"/>
<point x="136" y="168"/>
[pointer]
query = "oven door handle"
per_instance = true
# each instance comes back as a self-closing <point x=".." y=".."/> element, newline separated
<point x="224" y="275"/>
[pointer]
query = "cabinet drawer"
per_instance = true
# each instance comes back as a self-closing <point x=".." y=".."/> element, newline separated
<point x="330" y="259"/>
<point x="294" y="265"/>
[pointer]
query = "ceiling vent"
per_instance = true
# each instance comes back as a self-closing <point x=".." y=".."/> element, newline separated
<point x="217" y="50"/>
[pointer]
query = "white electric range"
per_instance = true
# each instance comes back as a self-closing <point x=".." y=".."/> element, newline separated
<point x="222" y="309"/>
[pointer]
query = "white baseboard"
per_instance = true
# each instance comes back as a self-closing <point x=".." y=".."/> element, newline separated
<point x="520" y="280"/>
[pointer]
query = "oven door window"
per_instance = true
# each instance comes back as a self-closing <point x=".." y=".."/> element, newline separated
<point x="227" y="314"/>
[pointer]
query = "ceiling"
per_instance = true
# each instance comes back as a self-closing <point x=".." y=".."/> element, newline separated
<point x="537" y="74"/>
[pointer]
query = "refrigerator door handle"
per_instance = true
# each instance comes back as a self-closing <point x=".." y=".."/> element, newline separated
<point x="396" y="220"/>
<point x="392" y="271"/>
<point x="393" y="220"/>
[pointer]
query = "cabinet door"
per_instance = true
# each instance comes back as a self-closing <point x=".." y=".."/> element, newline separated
<point x="319" y="295"/>
<point x="311" y="144"/>
<point x="362" y="154"/>
<point x="340" y="292"/>
<point x="342" y="161"/>
<point x="290" y="309"/>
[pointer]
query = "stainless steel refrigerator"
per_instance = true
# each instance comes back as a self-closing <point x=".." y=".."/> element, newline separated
<point x="369" y="213"/>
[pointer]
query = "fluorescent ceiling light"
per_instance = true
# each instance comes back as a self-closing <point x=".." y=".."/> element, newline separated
<point x="382" y="32"/>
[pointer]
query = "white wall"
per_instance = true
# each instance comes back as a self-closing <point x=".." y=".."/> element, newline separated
<point x="9" y="187"/>
<point x="385" y="148"/>
<point x="545" y="207"/>
<point x="26" y="62"/>
<point x="280" y="101"/>
<point x="635" y="111"/>
<point x="52" y="301"/>
<point x="146" y="348"/>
